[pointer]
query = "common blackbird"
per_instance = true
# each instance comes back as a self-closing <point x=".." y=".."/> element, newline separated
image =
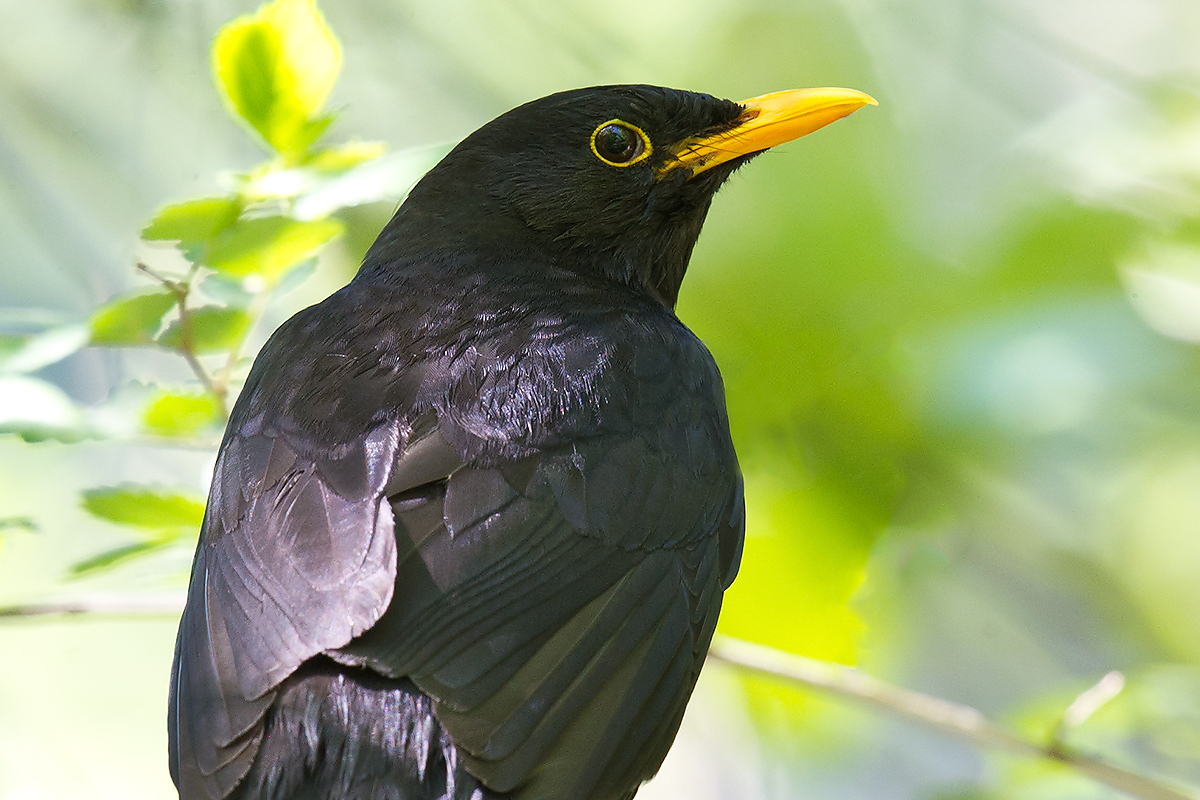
<point x="473" y="515"/>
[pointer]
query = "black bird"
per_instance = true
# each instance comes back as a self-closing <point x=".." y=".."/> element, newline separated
<point x="473" y="515"/>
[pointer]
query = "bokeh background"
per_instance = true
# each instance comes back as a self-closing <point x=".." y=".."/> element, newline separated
<point x="958" y="333"/>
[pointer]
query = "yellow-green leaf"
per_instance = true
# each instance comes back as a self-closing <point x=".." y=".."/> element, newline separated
<point x="118" y="556"/>
<point x="133" y="319"/>
<point x="269" y="246"/>
<point x="804" y="558"/>
<point x="31" y="353"/>
<point x="180" y="414"/>
<point x="19" y="523"/>
<point x="193" y="220"/>
<point x="212" y="328"/>
<point x="275" y="69"/>
<point x="37" y="410"/>
<point x="343" y="157"/>
<point x="144" y="507"/>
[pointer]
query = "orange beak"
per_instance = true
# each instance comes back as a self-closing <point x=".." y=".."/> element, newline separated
<point x="767" y="121"/>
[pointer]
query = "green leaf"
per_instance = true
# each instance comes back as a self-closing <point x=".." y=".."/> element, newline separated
<point x="193" y="220"/>
<point x="9" y="524"/>
<point x="297" y="275"/>
<point x="180" y="414"/>
<point x="343" y="157"/>
<point x="193" y="251"/>
<point x="386" y="178"/>
<point x="798" y="535"/>
<point x="19" y="523"/>
<point x="144" y="507"/>
<point x="226" y="290"/>
<point x="32" y="353"/>
<point x="11" y="344"/>
<point x="132" y="319"/>
<point x="269" y="246"/>
<point x="275" y="70"/>
<point x="213" y="329"/>
<point x="117" y="556"/>
<point x="36" y="410"/>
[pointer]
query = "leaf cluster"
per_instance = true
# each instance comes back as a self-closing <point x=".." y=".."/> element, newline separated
<point x="218" y="263"/>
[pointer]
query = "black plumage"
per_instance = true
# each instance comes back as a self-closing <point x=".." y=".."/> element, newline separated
<point x="474" y="513"/>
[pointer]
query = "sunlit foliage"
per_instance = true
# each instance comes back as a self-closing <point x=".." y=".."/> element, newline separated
<point x="958" y="334"/>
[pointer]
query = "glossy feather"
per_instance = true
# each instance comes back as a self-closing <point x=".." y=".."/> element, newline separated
<point x="473" y="514"/>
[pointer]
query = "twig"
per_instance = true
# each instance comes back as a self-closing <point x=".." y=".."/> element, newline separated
<point x="187" y="347"/>
<point x="949" y="717"/>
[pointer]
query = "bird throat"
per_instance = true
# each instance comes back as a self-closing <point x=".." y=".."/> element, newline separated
<point x="653" y="263"/>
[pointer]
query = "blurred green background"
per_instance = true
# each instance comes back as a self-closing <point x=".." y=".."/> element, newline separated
<point x="958" y="333"/>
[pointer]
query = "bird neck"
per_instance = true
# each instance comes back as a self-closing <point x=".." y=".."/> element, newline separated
<point x="451" y="224"/>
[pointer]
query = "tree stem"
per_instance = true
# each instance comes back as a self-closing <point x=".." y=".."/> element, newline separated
<point x="955" y="719"/>
<point x="949" y="717"/>
<point x="187" y="349"/>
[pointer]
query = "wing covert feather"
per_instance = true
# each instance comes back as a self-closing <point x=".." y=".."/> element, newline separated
<point x="297" y="556"/>
<point x="512" y="559"/>
<point x="527" y="613"/>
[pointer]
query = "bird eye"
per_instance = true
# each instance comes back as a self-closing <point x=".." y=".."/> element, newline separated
<point x="620" y="144"/>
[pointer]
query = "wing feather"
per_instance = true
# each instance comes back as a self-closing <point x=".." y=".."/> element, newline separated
<point x="558" y="624"/>
<point x="552" y="588"/>
<point x="287" y="567"/>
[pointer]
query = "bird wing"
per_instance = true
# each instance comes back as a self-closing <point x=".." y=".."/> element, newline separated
<point x="297" y="556"/>
<point x="558" y="607"/>
<point x="551" y="582"/>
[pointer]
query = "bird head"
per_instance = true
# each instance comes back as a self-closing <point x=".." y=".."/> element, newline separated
<point x="609" y="180"/>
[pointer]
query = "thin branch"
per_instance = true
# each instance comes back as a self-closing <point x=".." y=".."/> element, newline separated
<point x="953" y="718"/>
<point x="956" y="719"/>
<point x="187" y="348"/>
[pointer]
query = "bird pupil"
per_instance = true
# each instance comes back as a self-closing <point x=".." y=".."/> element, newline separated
<point x="616" y="143"/>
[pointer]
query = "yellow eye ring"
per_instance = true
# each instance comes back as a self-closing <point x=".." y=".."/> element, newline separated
<point x="620" y="144"/>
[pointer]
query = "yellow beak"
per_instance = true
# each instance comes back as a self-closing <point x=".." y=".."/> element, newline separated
<point x="767" y="121"/>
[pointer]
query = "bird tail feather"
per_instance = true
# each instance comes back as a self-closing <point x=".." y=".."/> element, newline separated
<point x="338" y="733"/>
